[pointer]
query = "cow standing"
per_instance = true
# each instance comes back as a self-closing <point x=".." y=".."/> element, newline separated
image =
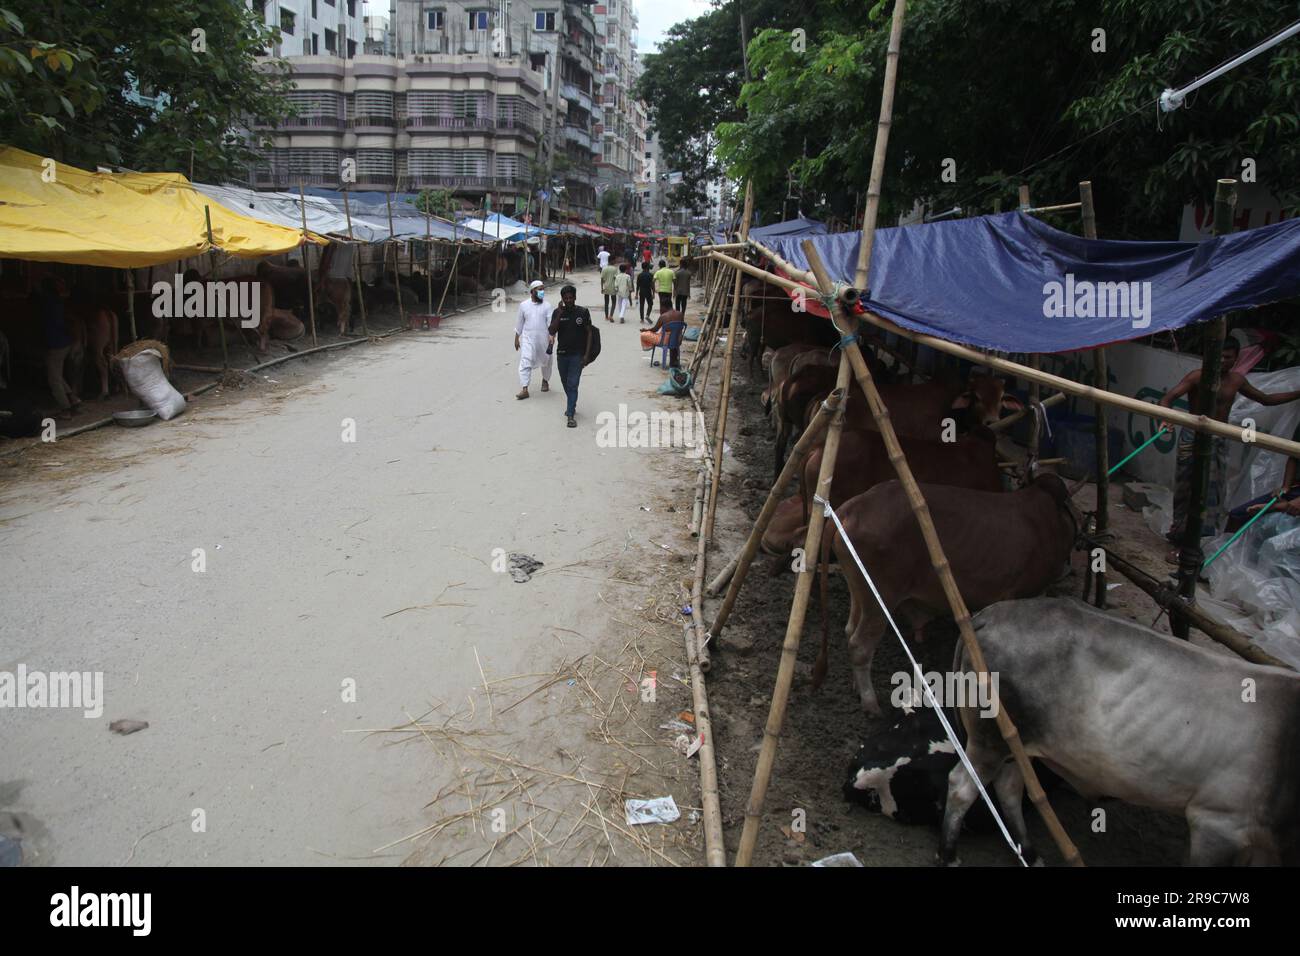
<point x="998" y="545"/>
<point x="1117" y="709"/>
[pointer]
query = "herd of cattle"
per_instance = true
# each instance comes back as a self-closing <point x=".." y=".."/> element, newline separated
<point x="1114" y="709"/>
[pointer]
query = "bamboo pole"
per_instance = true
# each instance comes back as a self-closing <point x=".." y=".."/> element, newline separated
<point x="1168" y="598"/>
<point x="697" y="509"/>
<point x="732" y="330"/>
<point x="428" y="258"/>
<point x="812" y="540"/>
<point x="451" y="274"/>
<point x="221" y="325"/>
<point x="715" y="850"/>
<point x="1101" y="431"/>
<point x="810" y="438"/>
<point x="356" y="265"/>
<point x="306" y="261"/>
<point x="1190" y="556"/>
<point x="397" y="259"/>
<point x="130" y="292"/>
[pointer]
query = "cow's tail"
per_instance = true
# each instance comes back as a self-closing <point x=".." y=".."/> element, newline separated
<point x="820" y="667"/>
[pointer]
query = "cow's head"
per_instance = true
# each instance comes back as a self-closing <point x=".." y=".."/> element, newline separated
<point x="1054" y="486"/>
<point x="985" y="399"/>
<point x="902" y="772"/>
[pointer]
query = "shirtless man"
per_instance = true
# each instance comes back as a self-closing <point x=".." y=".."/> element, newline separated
<point x="1231" y="384"/>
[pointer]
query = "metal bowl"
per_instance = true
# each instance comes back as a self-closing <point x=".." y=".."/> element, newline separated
<point x="135" y="418"/>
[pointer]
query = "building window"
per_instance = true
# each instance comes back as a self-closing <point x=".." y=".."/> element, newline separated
<point x="315" y="43"/>
<point x="313" y="9"/>
<point x="352" y="8"/>
<point x="329" y="3"/>
<point x="544" y="20"/>
<point x="286" y="21"/>
<point x="478" y="20"/>
<point x="433" y="19"/>
<point x="352" y="49"/>
<point x="331" y="42"/>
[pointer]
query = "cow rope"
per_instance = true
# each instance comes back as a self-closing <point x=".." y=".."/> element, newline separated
<point x="829" y="512"/>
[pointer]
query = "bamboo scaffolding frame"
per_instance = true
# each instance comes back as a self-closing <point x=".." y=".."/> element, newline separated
<point x="1101" y="428"/>
<point x="723" y="400"/>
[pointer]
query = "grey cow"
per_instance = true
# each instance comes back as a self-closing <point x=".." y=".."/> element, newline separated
<point x="1119" y="710"/>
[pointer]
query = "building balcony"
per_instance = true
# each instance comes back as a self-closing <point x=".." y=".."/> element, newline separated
<point x="313" y="122"/>
<point x="373" y="120"/>
<point x="574" y="134"/>
<point x="443" y="121"/>
<point x="576" y="94"/>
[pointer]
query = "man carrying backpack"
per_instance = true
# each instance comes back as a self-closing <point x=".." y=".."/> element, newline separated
<point x="571" y="327"/>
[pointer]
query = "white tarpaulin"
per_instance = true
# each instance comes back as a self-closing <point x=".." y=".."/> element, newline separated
<point x="284" y="209"/>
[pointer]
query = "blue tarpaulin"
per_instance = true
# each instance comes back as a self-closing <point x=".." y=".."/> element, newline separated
<point x="1012" y="283"/>
<point x="799" y="226"/>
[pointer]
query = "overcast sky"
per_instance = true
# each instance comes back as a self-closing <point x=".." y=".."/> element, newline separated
<point x="656" y="16"/>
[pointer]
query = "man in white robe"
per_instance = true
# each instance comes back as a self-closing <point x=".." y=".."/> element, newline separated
<point x="532" y="340"/>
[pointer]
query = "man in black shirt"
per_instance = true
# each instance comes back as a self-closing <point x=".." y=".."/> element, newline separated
<point x="571" y="331"/>
<point x="645" y="290"/>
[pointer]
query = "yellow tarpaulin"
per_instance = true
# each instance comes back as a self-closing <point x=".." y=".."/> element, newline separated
<point x="118" y="219"/>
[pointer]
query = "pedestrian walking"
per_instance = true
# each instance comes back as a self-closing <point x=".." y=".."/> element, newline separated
<point x="645" y="290"/>
<point x="681" y="287"/>
<point x="571" y="330"/>
<point x="608" y="288"/>
<point x="532" y="339"/>
<point x="664" y="286"/>
<point x="623" y="289"/>
<point x="602" y="257"/>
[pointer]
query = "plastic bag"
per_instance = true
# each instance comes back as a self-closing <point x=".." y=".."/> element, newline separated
<point x="144" y="376"/>
<point x="1255" y="584"/>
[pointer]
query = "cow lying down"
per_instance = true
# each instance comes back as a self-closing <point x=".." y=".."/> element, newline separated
<point x="901" y="772"/>
<point x="1115" y="708"/>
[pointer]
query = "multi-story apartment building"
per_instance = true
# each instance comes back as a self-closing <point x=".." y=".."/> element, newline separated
<point x="651" y="184"/>
<point x="479" y="98"/>
<point x="622" y="138"/>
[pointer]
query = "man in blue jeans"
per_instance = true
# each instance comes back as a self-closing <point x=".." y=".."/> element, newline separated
<point x="571" y="331"/>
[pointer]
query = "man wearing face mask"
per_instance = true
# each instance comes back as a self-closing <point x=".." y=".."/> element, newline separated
<point x="532" y="340"/>
<point x="571" y="327"/>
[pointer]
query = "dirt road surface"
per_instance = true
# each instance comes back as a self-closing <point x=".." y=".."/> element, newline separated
<point x="350" y="587"/>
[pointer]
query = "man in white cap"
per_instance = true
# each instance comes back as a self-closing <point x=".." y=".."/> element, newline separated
<point x="533" y="341"/>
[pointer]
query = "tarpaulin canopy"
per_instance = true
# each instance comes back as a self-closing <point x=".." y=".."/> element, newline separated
<point x="118" y="219"/>
<point x="498" y="227"/>
<point x="1013" y="283"/>
<point x="799" y="226"/>
<point x="284" y="209"/>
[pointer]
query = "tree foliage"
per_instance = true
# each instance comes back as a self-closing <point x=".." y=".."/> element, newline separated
<point x="995" y="93"/>
<point x="79" y="100"/>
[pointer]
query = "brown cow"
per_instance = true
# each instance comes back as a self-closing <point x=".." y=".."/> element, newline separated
<point x="863" y="462"/>
<point x="999" y="547"/>
<point x="94" y="329"/>
<point x="780" y="368"/>
<point x="812" y="374"/>
<point x="265" y="291"/>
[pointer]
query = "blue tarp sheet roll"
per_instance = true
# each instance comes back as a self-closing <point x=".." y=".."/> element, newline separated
<point x="1013" y="283"/>
<point x="799" y="226"/>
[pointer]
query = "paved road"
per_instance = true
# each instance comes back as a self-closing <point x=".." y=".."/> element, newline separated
<point x="310" y="541"/>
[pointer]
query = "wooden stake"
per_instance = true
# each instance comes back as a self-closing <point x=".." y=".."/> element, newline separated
<point x="306" y="261"/>
<point x="397" y="279"/>
<point x="1190" y="557"/>
<point x="356" y="265"/>
<point x="1101" y="432"/>
<point x="733" y="331"/>
<point x="221" y="325"/>
<point x="130" y="295"/>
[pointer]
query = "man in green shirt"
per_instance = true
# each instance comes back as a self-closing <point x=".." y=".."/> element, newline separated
<point x="608" y="288"/>
<point x="664" y="286"/>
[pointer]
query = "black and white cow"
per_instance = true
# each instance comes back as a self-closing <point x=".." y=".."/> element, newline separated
<point x="902" y="772"/>
<point x="1116" y="708"/>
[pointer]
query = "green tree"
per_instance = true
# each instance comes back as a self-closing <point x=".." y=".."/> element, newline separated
<point x="198" y="58"/>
